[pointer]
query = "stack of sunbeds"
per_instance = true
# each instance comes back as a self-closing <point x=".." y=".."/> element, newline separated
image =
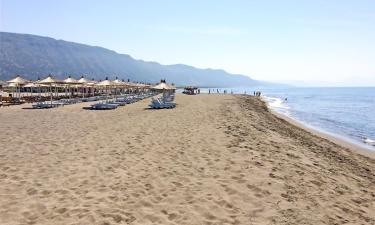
<point x="47" y="105"/>
<point x="118" y="101"/>
<point x="105" y="103"/>
<point x="68" y="101"/>
<point x="164" y="102"/>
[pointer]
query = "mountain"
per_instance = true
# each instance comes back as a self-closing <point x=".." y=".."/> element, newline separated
<point x="34" y="56"/>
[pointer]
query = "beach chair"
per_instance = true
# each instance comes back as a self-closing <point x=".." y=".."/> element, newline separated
<point x="120" y="102"/>
<point x="117" y="103"/>
<point x="43" y="105"/>
<point x="159" y="104"/>
<point x="102" y="106"/>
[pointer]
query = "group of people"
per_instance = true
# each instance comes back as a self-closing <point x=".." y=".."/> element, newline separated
<point x="218" y="91"/>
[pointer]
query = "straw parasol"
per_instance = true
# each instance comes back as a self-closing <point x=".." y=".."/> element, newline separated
<point x="83" y="80"/>
<point x="49" y="81"/>
<point x="91" y="83"/>
<point x="17" y="81"/>
<point x="131" y="84"/>
<point x="163" y="86"/>
<point x="117" y="82"/>
<point x="105" y="83"/>
<point x="70" y="81"/>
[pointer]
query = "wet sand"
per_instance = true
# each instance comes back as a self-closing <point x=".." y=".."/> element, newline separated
<point x="215" y="159"/>
<point x="362" y="149"/>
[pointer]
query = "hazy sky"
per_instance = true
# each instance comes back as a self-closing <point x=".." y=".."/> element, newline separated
<point x="324" y="41"/>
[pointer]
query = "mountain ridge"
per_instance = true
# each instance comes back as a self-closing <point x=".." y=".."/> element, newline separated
<point x="34" y="56"/>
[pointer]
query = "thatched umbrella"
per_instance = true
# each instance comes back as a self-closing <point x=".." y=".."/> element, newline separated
<point x="129" y="85"/>
<point x="120" y="83"/>
<point x="17" y="82"/>
<point x="49" y="81"/>
<point x="92" y="84"/>
<point x="105" y="83"/>
<point x="70" y="81"/>
<point x="163" y="86"/>
<point x="117" y="82"/>
<point x="84" y="82"/>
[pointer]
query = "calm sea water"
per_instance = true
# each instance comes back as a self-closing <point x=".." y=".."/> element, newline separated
<point x="345" y="112"/>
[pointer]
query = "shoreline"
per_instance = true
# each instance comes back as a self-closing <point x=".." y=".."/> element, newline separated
<point x="324" y="134"/>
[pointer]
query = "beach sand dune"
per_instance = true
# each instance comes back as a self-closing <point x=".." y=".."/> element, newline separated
<point x="214" y="159"/>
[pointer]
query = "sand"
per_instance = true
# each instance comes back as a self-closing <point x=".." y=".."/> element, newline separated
<point x="215" y="159"/>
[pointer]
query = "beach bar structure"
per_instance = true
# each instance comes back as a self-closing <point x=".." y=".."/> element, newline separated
<point x="190" y="90"/>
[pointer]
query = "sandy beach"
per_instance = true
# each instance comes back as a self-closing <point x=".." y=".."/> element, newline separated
<point x="214" y="159"/>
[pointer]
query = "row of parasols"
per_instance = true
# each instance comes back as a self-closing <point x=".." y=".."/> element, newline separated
<point x="50" y="82"/>
<point x="19" y="81"/>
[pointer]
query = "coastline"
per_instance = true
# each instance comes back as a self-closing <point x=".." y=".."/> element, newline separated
<point x="324" y="134"/>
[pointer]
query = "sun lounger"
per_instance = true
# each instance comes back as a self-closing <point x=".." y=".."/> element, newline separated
<point x="160" y="104"/>
<point x="102" y="106"/>
<point x="118" y="102"/>
<point x="44" y="105"/>
<point x="91" y="99"/>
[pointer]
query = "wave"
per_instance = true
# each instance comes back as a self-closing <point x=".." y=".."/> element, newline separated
<point x="277" y="104"/>
<point x="369" y="141"/>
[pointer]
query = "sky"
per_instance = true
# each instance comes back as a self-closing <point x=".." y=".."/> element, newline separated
<point x="302" y="42"/>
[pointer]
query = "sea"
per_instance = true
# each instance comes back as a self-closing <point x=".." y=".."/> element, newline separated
<point x="347" y="113"/>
